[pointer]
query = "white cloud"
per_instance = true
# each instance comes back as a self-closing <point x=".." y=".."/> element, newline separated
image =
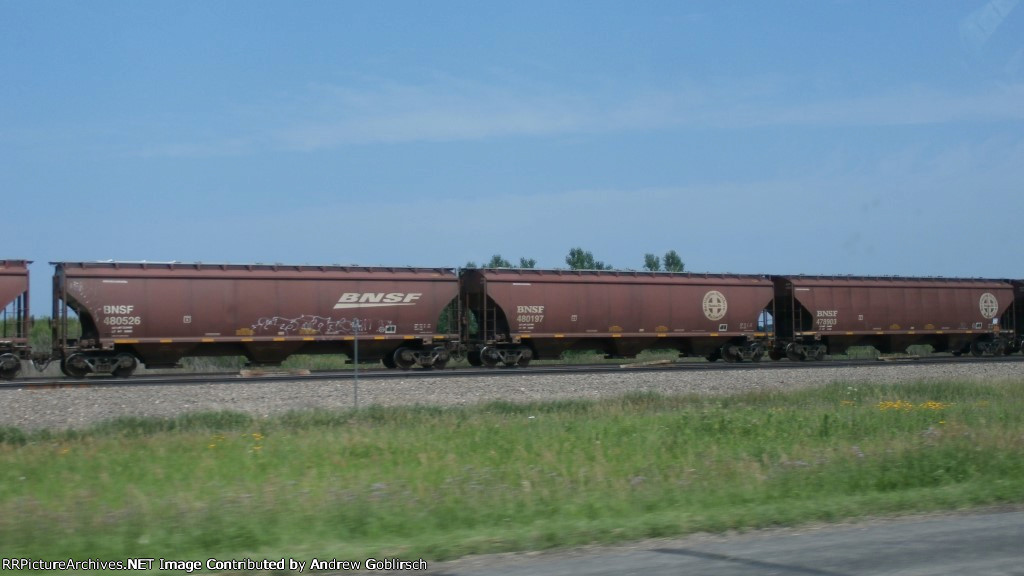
<point x="909" y="106"/>
<point x="228" y="147"/>
<point x="449" y="109"/>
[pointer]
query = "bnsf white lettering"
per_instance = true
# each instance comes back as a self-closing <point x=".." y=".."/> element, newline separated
<point x="827" y="319"/>
<point x="122" y="309"/>
<point x="530" y="310"/>
<point x="357" y="299"/>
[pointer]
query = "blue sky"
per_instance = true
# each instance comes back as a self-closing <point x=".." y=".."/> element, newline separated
<point x="818" y="137"/>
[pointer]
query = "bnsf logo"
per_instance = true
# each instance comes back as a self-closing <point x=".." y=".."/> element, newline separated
<point x="376" y="299"/>
<point x="122" y="309"/>
<point x="530" y="309"/>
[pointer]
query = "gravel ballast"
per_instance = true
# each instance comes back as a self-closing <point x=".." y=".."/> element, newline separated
<point x="33" y="409"/>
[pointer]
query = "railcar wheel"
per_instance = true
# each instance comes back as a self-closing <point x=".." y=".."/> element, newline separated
<point x="126" y="366"/>
<point x="714" y="356"/>
<point x="404" y="358"/>
<point x="756" y="353"/>
<point x="441" y="357"/>
<point x="473" y="357"/>
<point x="795" y="353"/>
<point x="775" y="355"/>
<point x="525" y="355"/>
<point x="730" y="354"/>
<point x="388" y="360"/>
<point x="74" y="366"/>
<point x="489" y="357"/>
<point x="10" y="365"/>
<point x="976" y="349"/>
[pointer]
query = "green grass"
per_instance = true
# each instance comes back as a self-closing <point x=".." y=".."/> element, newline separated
<point x="444" y="482"/>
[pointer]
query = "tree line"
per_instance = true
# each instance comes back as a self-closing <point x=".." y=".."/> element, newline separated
<point x="580" y="259"/>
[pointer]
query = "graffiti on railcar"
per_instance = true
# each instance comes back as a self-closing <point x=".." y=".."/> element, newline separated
<point x="308" y="325"/>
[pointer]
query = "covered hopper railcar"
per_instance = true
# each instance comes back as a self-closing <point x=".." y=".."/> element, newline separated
<point x="816" y="315"/>
<point x="1018" y="313"/>
<point x="521" y="314"/>
<point x="159" y="313"/>
<point x="14" y="316"/>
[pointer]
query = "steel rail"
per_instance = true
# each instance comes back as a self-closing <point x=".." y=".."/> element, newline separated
<point x="472" y="372"/>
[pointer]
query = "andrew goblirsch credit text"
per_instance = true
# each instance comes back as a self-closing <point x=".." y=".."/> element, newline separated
<point x="189" y="566"/>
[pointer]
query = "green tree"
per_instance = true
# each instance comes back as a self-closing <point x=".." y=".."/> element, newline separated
<point x="498" y="262"/>
<point x="579" y="259"/>
<point x="673" y="263"/>
<point x="652" y="262"/>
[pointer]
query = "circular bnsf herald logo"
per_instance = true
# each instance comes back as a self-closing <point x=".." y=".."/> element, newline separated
<point x="989" y="305"/>
<point x="715" y="305"/>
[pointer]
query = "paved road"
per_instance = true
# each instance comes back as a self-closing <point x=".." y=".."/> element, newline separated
<point x="975" y="544"/>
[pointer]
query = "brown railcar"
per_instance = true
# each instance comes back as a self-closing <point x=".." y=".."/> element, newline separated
<point x="817" y="315"/>
<point x="520" y="314"/>
<point x="1018" y="314"/>
<point x="159" y="313"/>
<point x="14" y="316"/>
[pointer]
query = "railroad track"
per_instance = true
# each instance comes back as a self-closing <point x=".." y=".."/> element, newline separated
<point x="383" y="374"/>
